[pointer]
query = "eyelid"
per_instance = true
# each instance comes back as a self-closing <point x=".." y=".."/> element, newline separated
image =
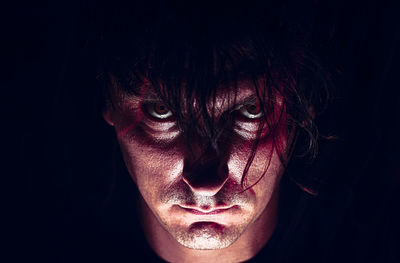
<point x="248" y="100"/>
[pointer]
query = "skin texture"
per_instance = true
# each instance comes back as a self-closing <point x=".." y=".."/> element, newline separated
<point x="193" y="204"/>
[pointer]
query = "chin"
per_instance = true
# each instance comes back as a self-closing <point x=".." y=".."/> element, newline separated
<point x="207" y="236"/>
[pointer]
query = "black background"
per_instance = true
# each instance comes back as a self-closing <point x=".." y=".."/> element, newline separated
<point x="58" y="168"/>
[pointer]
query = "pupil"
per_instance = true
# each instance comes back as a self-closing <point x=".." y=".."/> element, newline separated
<point x="253" y="109"/>
<point x="161" y="108"/>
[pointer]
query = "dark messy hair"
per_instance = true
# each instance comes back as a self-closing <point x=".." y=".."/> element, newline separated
<point x="186" y="50"/>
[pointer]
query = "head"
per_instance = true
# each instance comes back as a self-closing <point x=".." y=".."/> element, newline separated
<point x="207" y="110"/>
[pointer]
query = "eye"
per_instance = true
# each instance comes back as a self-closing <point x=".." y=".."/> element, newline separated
<point x="251" y="111"/>
<point x="158" y="110"/>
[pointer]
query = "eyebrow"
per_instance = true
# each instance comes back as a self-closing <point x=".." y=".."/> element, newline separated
<point x="150" y="95"/>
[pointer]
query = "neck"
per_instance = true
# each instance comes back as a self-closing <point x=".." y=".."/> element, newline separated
<point x="244" y="248"/>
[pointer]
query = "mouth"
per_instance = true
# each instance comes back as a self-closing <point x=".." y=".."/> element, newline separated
<point x="211" y="211"/>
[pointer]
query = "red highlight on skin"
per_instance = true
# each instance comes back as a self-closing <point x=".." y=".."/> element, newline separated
<point x="127" y="129"/>
<point x="278" y="143"/>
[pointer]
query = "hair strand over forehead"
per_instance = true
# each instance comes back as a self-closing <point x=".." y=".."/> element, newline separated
<point x="185" y="53"/>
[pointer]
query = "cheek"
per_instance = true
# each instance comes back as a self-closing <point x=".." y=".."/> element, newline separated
<point x="152" y="167"/>
<point x="266" y="163"/>
<point x="266" y="166"/>
<point x="266" y="169"/>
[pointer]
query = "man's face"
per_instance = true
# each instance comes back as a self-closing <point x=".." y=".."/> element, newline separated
<point x="196" y="194"/>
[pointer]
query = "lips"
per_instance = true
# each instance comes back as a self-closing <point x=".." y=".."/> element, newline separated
<point x="199" y="211"/>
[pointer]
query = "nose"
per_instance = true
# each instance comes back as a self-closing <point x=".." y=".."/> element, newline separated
<point x="205" y="172"/>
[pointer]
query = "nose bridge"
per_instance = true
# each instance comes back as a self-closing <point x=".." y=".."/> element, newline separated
<point x="205" y="167"/>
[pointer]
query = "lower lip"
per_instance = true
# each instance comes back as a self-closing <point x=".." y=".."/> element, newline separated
<point x="214" y="212"/>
